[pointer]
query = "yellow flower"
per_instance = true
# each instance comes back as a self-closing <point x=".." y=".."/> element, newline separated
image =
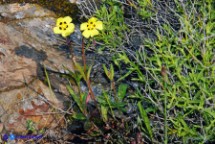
<point x="64" y="26"/>
<point x="90" y="28"/>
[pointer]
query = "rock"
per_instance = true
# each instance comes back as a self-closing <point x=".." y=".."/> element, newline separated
<point x="60" y="7"/>
<point x="1" y="127"/>
<point x="34" y="103"/>
<point x="75" y="1"/>
<point x="26" y="45"/>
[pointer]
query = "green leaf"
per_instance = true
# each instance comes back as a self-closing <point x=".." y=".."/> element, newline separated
<point x="126" y="75"/>
<point x="108" y="102"/>
<point x="106" y="71"/>
<point x="122" y="91"/>
<point x="81" y="70"/>
<point x="145" y="118"/>
<point x="83" y="100"/>
<point x="78" y="116"/>
<point x="111" y="72"/>
<point x="49" y="84"/>
<point x="88" y="72"/>
<point x="75" y="98"/>
<point x="104" y="111"/>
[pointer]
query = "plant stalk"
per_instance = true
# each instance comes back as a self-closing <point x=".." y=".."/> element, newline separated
<point x="165" y="81"/>
<point x="85" y="72"/>
<point x="84" y="57"/>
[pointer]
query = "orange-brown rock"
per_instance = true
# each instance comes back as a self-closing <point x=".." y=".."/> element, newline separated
<point x="26" y="45"/>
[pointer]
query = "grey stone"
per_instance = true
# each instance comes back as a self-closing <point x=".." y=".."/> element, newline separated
<point x="26" y="45"/>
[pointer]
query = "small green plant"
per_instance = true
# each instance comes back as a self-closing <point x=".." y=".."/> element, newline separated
<point x="172" y="75"/>
<point x="90" y="29"/>
<point x="106" y="101"/>
<point x="113" y="34"/>
<point x="145" y="9"/>
<point x="176" y="78"/>
<point x="30" y="126"/>
<point x="79" y="97"/>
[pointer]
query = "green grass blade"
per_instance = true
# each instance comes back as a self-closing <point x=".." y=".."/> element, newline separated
<point x="145" y="118"/>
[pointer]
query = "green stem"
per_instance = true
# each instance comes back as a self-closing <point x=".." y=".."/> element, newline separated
<point x="165" y="118"/>
<point x="164" y="86"/>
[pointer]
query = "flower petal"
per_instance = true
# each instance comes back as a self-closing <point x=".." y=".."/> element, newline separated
<point x="92" y="19"/>
<point x="69" y="30"/>
<point x="94" y="32"/>
<point x="57" y="30"/>
<point x="59" y="20"/>
<point x="67" y="19"/>
<point x="71" y="27"/>
<point x="86" y="33"/>
<point x="65" y="33"/>
<point x="99" y="25"/>
<point x="83" y="26"/>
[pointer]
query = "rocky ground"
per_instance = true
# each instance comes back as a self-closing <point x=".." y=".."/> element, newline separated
<point x="36" y="65"/>
<point x="27" y="47"/>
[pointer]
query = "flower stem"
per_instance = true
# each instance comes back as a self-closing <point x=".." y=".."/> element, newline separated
<point x="85" y="72"/>
<point x="83" y="57"/>
<point x="68" y="43"/>
<point x="114" y="90"/>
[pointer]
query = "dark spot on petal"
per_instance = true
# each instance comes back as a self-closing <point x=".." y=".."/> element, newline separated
<point x="60" y="28"/>
<point x="64" y="22"/>
<point x="88" y="28"/>
<point x="64" y="28"/>
<point x="87" y="25"/>
<point x="60" y="23"/>
<point x="94" y="25"/>
<point x="91" y="22"/>
<point x="92" y="28"/>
